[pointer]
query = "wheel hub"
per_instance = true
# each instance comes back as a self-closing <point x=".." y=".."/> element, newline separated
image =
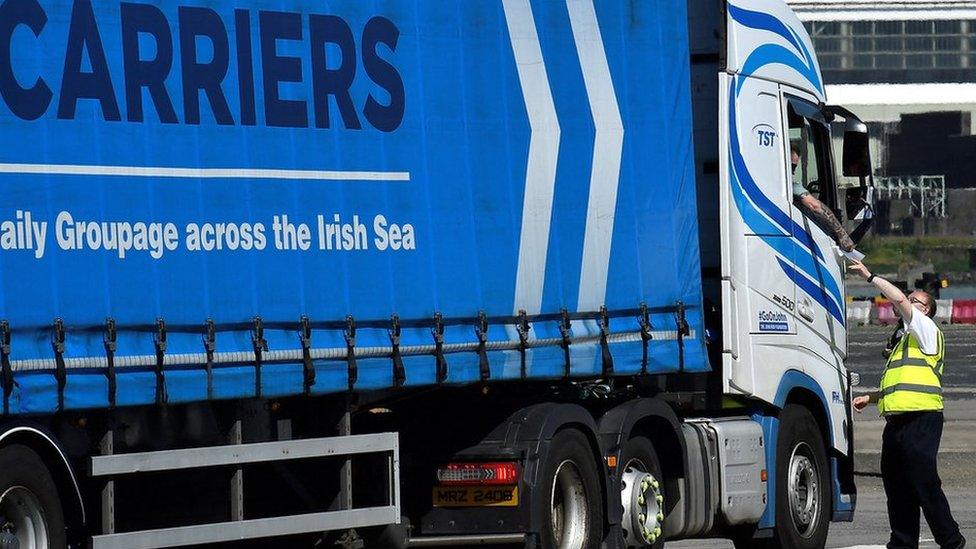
<point x="9" y="541"/>
<point x="570" y="519"/>
<point x="24" y="524"/>
<point x="804" y="490"/>
<point x="643" y="502"/>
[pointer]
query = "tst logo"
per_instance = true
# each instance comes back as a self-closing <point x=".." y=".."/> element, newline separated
<point x="765" y="135"/>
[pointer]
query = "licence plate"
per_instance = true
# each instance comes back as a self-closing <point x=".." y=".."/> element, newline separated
<point x="476" y="496"/>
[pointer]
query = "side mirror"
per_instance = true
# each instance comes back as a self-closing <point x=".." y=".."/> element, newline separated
<point x="857" y="150"/>
<point x="857" y="155"/>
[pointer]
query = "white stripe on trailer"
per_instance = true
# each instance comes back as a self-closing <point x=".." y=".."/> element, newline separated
<point x="201" y="173"/>
<point x="607" y="150"/>
<point x="540" y="173"/>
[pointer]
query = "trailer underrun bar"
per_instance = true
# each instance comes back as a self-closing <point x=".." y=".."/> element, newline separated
<point x="110" y="466"/>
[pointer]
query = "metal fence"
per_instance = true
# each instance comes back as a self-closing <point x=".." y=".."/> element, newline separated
<point x="927" y="193"/>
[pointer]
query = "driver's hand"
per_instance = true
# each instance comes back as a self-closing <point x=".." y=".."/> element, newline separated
<point x="846" y="243"/>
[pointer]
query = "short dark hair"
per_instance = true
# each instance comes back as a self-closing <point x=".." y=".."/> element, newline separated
<point x="929" y="302"/>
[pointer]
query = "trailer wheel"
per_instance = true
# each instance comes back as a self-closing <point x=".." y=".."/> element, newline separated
<point x="30" y="511"/>
<point x="570" y="496"/>
<point x="641" y="494"/>
<point x="803" y="496"/>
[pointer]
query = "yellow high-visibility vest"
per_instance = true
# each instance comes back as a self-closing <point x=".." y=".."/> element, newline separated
<point x="912" y="380"/>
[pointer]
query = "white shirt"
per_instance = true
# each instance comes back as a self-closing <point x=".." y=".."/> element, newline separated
<point x="925" y="332"/>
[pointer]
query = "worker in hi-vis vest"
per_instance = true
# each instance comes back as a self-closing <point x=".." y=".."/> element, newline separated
<point x="910" y="400"/>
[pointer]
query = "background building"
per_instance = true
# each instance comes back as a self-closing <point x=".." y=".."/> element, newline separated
<point x="908" y="68"/>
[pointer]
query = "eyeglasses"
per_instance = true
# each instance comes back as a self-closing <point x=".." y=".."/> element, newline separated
<point x="917" y="300"/>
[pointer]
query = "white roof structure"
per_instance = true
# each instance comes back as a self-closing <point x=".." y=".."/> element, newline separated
<point x="875" y="10"/>
<point x="949" y="94"/>
<point x="888" y="102"/>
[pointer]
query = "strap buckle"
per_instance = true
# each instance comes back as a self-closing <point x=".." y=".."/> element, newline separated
<point x="352" y="368"/>
<point x="607" y="358"/>
<point x="481" y="331"/>
<point x="522" y="327"/>
<point x="308" y="369"/>
<point x="60" y="373"/>
<point x="210" y="346"/>
<point x="440" y="359"/>
<point x="160" y="342"/>
<point x="399" y="372"/>
<point x="109" y="338"/>
<point x="7" y="372"/>
<point x="260" y="346"/>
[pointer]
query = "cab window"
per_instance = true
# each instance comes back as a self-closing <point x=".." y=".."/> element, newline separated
<point x="809" y="160"/>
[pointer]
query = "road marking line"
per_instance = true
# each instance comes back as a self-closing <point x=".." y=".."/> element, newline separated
<point x="923" y="540"/>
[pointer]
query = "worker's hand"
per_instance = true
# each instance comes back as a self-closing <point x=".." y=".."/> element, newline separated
<point x="860" y="402"/>
<point x="859" y="268"/>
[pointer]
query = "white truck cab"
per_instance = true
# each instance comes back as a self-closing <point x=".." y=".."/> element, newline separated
<point x="784" y="329"/>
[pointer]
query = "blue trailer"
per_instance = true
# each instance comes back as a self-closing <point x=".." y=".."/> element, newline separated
<point x="438" y="249"/>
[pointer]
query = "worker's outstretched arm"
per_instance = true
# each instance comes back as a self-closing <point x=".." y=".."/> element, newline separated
<point x="897" y="297"/>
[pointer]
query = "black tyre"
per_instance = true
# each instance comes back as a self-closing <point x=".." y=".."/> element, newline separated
<point x="30" y="509"/>
<point x="803" y="493"/>
<point x="570" y="499"/>
<point x="640" y="474"/>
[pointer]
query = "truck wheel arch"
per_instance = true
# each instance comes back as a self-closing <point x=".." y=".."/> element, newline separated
<point x="799" y="388"/>
<point x="56" y="460"/>
<point x="533" y="427"/>
<point x="653" y="418"/>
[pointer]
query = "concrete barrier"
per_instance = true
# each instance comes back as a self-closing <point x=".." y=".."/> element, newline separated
<point x="943" y="311"/>
<point x="859" y="313"/>
<point x="964" y="311"/>
<point x="885" y="313"/>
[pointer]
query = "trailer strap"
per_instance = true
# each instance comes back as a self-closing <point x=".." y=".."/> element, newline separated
<point x="109" y="338"/>
<point x="210" y="346"/>
<point x="7" y="376"/>
<point x="564" y="325"/>
<point x="160" y="342"/>
<point x="607" y="358"/>
<point x="352" y="368"/>
<point x="441" y="361"/>
<point x="308" y="369"/>
<point x="399" y="372"/>
<point x="60" y="374"/>
<point x="683" y="330"/>
<point x="260" y="346"/>
<point x="644" y="319"/>
<point x="481" y="331"/>
<point x="523" y="332"/>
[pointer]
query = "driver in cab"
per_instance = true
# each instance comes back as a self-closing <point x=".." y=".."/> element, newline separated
<point x="816" y="209"/>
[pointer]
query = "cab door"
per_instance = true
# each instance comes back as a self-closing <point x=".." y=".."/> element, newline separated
<point x="759" y="298"/>
<point x="820" y="306"/>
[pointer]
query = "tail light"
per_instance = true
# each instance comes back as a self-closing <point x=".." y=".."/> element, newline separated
<point x="478" y="474"/>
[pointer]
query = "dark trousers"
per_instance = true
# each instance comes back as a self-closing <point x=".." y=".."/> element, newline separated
<point x="909" y="469"/>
